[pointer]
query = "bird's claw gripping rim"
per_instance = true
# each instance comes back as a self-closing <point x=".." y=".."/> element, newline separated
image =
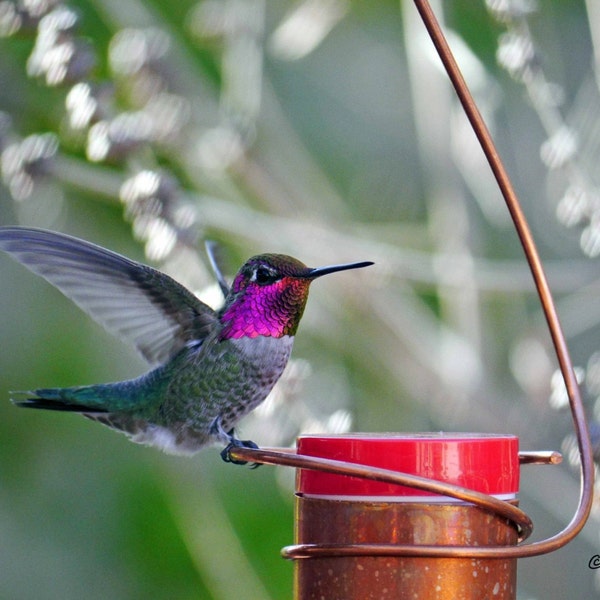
<point x="233" y="442"/>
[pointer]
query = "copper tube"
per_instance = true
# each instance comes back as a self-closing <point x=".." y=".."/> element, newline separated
<point x="542" y="457"/>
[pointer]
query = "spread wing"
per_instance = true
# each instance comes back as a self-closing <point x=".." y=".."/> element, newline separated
<point x="134" y="301"/>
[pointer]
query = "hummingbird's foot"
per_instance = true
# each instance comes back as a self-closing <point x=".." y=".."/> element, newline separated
<point x="232" y="443"/>
<point x="235" y="443"/>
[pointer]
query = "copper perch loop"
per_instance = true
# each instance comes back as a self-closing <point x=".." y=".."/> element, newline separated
<point x="501" y="508"/>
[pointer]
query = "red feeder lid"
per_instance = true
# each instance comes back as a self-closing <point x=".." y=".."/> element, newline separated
<point x="480" y="462"/>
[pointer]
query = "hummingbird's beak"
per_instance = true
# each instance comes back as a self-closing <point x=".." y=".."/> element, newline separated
<point x="319" y="271"/>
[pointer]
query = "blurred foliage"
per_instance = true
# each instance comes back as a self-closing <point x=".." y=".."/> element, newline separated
<point x="324" y="129"/>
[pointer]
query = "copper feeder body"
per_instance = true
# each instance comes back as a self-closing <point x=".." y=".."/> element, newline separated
<point x="401" y="577"/>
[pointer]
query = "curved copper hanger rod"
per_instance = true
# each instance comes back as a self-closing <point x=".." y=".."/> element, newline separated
<point x="558" y="339"/>
<point x="520" y="519"/>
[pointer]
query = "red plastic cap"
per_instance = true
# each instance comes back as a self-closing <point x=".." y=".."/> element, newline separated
<point x="480" y="462"/>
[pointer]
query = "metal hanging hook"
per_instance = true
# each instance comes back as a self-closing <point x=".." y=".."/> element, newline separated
<point x="586" y="496"/>
<point x="517" y="516"/>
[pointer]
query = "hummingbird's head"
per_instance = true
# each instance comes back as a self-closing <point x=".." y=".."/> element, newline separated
<point x="269" y="294"/>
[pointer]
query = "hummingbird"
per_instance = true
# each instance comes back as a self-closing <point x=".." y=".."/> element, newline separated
<point x="208" y="368"/>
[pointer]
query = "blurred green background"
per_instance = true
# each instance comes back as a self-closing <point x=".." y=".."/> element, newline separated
<point x="326" y="130"/>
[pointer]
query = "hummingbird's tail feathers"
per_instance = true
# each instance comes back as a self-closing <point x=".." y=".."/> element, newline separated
<point x="60" y="399"/>
<point x="58" y="405"/>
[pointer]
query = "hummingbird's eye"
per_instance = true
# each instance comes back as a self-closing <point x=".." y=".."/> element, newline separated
<point x="263" y="275"/>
